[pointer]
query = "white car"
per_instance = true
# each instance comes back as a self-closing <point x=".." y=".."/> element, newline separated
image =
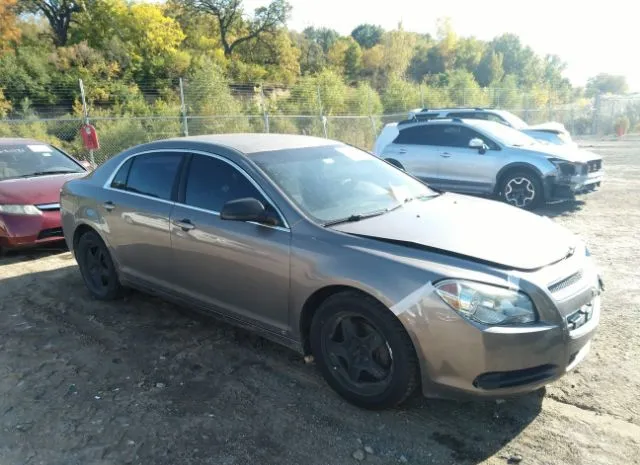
<point x="550" y="132"/>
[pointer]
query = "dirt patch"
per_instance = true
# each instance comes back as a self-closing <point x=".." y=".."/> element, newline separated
<point x="143" y="381"/>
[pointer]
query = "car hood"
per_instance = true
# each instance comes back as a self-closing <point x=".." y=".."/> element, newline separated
<point x="483" y="230"/>
<point x="566" y="152"/>
<point x="34" y="191"/>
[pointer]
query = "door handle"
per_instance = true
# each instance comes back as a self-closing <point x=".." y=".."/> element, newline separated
<point x="402" y="151"/>
<point x="185" y="224"/>
<point x="445" y="154"/>
<point x="109" y="205"/>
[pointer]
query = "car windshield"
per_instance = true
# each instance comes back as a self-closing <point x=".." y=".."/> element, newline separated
<point x="506" y="135"/>
<point x="334" y="183"/>
<point x="515" y="121"/>
<point x="36" y="159"/>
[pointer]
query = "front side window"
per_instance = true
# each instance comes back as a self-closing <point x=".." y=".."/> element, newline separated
<point x="212" y="182"/>
<point x="460" y="136"/>
<point x="329" y="183"/>
<point x="26" y="160"/>
<point x="152" y="174"/>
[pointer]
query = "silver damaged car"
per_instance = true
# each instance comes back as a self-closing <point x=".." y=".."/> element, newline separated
<point x="472" y="156"/>
<point x="331" y="251"/>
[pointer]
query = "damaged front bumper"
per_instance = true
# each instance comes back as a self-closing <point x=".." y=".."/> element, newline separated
<point x="560" y="188"/>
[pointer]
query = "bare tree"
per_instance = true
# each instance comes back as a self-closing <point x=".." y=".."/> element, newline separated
<point x="236" y="29"/>
<point x="59" y="14"/>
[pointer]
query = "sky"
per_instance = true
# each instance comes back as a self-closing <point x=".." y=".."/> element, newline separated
<point x="590" y="38"/>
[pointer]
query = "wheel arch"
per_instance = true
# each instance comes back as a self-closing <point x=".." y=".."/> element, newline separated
<point x="516" y="166"/>
<point x="315" y="300"/>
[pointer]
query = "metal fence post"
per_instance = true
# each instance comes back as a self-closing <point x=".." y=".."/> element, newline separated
<point x="85" y="112"/>
<point x="370" y="111"/>
<point x="265" y="110"/>
<point x="183" y="111"/>
<point x="421" y="96"/>
<point x="596" y="115"/>
<point x="323" y="119"/>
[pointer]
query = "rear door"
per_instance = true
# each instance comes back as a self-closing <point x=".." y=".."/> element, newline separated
<point x="239" y="268"/>
<point x="414" y="148"/>
<point x="466" y="169"/>
<point x="136" y="207"/>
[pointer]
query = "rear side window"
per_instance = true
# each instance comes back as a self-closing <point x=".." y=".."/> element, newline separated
<point x="150" y="174"/>
<point x="120" y="179"/>
<point x="421" y="135"/>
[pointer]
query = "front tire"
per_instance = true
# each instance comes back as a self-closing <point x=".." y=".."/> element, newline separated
<point x="363" y="351"/>
<point x="97" y="268"/>
<point x="522" y="189"/>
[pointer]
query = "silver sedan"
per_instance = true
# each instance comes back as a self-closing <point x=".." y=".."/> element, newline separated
<point x="337" y="254"/>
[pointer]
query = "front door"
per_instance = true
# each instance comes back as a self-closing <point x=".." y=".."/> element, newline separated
<point x="462" y="168"/>
<point x="135" y="207"/>
<point x="239" y="268"/>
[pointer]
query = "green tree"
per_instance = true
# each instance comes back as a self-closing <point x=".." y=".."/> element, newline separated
<point x="345" y="56"/>
<point x="606" y="84"/>
<point x="323" y="36"/>
<point x="489" y="69"/>
<point x="400" y="96"/>
<point x="398" y="46"/>
<point x="5" y="105"/>
<point x="469" y="52"/>
<point x="518" y="60"/>
<point x="464" y="90"/>
<point x="367" y="35"/>
<point x="234" y="29"/>
<point x="59" y="13"/>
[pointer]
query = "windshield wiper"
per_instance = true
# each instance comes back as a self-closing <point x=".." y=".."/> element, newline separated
<point x="419" y="197"/>
<point x="364" y="216"/>
<point x="358" y="217"/>
<point x="44" y="173"/>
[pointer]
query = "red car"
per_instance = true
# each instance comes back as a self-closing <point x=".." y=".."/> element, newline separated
<point x="31" y="175"/>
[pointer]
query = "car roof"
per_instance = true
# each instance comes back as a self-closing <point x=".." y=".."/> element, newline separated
<point x="488" y="125"/>
<point x="254" y="143"/>
<point x="462" y="109"/>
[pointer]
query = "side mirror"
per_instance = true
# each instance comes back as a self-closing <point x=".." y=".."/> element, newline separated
<point x="246" y="209"/>
<point x="477" y="143"/>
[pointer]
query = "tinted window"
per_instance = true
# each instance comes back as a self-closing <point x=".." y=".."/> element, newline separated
<point x="211" y="183"/>
<point x="459" y="136"/>
<point x="120" y="179"/>
<point x="151" y="174"/>
<point x="421" y="135"/>
<point x="467" y="115"/>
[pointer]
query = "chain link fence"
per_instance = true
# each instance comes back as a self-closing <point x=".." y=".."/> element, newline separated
<point x="352" y="115"/>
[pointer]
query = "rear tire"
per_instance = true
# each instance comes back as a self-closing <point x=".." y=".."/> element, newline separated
<point x="97" y="268"/>
<point x="363" y="351"/>
<point x="522" y="189"/>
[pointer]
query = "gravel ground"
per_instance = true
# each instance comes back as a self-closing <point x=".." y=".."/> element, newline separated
<point x="145" y="382"/>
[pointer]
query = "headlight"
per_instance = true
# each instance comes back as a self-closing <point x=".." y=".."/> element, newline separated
<point x="486" y="304"/>
<point x="565" y="168"/>
<point x="20" y="210"/>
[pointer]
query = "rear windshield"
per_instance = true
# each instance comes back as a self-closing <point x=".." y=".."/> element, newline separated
<point x="30" y="160"/>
